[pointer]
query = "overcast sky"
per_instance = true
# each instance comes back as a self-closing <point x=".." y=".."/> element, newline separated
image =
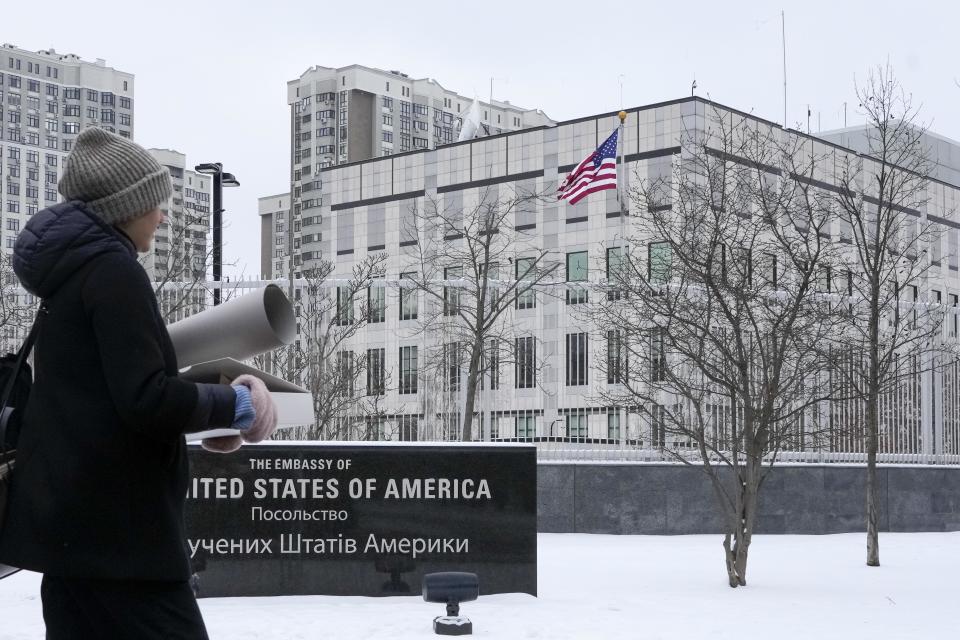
<point x="211" y="76"/>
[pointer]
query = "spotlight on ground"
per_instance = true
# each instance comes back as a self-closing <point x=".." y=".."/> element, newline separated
<point x="451" y="588"/>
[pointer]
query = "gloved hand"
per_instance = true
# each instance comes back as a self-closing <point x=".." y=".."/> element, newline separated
<point x="243" y="417"/>
<point x="265" y="411"/>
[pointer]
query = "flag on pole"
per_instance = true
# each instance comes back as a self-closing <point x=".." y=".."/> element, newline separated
<point x="597" y="172"/>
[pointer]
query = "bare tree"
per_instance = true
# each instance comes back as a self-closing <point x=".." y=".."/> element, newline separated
<point x="473" y="268"/>
<point x="891" y="336"/>
<point x="180" y="269"/>
<point x="346" y="388"/>
<point x="713" y="331"/>
<point x="17" y="307"/>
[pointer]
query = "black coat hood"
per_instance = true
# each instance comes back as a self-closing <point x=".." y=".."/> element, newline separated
<point x="58" y="241"/>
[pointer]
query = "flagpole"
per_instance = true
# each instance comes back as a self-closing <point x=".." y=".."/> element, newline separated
<point x="622" y="418"/>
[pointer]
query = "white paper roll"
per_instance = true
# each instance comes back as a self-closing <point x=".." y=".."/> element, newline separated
<point x="241" y="328"/>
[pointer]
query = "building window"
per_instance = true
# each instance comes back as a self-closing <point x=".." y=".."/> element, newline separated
<point x="451" y="366"/>
<point x="345" y="373"/>
<point x="659" y="258"/>
<point x="577" y="425"/>
<point x="615" y="276"/>
<point x="408" y="370"/>
<point x="616" y="357"/>
<point x="576" y="359"/>
<point x="658" y="430"/>
<point x="124" y="102"/>
<point x="388" y="136"/>
<point x="451" y="293"/>
<point x="613" y="426"/>
<point x="526" y="427"/>
<point x="576" y="272"/>
<point x="525" y="358"/>
<point x="527" y="299"/>
<point x="407" y="428"/>
<point x="954" y="302"/>
<point x="376" y="303"/>
<point x="93" y="96"/>
<point x="408" y="297"/>
<point x="344" y="306"/>
<point x="376" y="372"/>
<point x="658" y="356"/>
<point x="492" y="365"/>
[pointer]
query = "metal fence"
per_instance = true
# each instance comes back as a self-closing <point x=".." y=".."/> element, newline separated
<point x="921" y="417"/>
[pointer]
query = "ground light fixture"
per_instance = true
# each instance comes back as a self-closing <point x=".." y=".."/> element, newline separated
<point x="451" y="588"/>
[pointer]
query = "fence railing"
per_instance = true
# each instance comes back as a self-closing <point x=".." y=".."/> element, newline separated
<point x="924" y="424"/>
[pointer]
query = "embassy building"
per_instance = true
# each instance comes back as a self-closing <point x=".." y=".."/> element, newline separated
<point x="550" y="388"/>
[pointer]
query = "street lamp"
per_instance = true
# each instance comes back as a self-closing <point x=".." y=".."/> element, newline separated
<point x="220" y="179"/>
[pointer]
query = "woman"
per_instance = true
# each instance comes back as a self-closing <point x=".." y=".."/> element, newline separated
<point x="96" y="502"/>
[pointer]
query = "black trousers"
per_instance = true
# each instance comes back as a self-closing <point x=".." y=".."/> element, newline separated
<point x="78" y="609"/>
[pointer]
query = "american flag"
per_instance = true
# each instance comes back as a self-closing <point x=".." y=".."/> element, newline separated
<point x="597" y="172"/>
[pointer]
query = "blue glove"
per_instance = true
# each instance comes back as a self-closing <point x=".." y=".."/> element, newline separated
<point x="243" y="413"/>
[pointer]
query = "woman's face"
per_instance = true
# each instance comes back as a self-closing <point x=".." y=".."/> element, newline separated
<point x="142" y="228"/>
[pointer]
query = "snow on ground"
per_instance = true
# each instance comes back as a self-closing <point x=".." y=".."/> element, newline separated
<point x="593" y="586"/>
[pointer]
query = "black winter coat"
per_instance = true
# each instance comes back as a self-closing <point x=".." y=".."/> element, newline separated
<point x="101" y="474"/>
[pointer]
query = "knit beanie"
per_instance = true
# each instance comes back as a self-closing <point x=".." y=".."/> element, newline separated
<point x="116" y="178"/>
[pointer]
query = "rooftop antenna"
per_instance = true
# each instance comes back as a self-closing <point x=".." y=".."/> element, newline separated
<point x="693" y="86"/>
<point x="783" y="42"/>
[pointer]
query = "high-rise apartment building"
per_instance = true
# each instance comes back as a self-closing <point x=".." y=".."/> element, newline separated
<point x="274" y="253"/>
<point x="178" y="261"/>
<point x="356" y="113"/>
<point x="46" y="100"/>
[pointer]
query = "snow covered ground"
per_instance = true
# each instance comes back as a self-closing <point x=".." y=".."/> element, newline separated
<point x="591" y="586"/>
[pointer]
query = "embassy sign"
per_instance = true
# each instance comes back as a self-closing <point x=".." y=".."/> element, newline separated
<point x="361" y="519"/>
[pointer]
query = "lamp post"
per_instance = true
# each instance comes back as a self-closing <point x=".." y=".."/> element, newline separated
<point x="221" y="179"/>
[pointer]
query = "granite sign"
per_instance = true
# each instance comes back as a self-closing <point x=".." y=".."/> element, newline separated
<point x="359" y="519"/>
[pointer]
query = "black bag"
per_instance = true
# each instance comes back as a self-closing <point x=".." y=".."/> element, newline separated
<point x="16" y="379"/>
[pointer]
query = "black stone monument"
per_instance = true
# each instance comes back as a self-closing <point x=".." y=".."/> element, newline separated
<point x="358" y="519"/>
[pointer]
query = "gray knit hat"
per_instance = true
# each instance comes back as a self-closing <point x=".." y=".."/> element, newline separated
<point x="116" y="178"/>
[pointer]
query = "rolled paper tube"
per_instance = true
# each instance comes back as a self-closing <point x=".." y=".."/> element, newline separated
<point x="241" y="328"/>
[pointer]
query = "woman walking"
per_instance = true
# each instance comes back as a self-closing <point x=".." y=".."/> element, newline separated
<point x="96" y="501"/>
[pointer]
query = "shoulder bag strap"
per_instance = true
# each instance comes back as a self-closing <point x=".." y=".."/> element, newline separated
<point x="21" y="358"/>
